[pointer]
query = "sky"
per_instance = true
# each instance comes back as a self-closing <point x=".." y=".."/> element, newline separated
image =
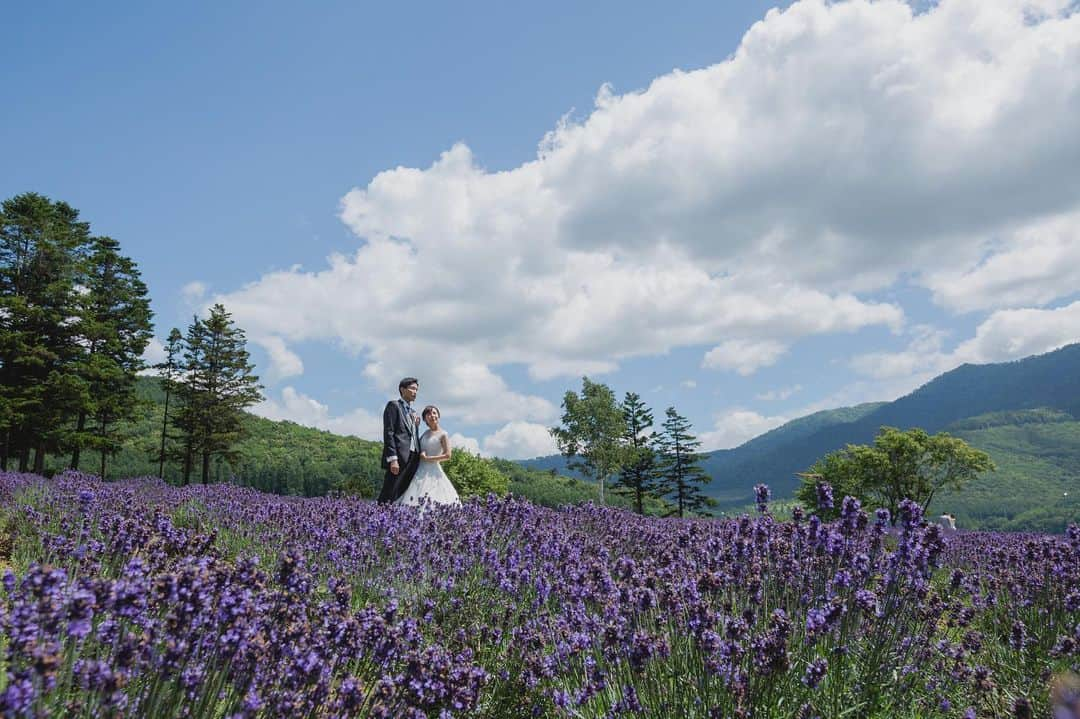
<point x="745" y="212"/>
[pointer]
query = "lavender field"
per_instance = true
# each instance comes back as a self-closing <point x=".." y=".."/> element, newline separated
<point x="136" y="598"/>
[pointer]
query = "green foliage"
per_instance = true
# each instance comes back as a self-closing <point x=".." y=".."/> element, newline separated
<point x="843" y="471"/>
<point x="899" y="465"/>
<point x="1037" y="483"/>
<point x="1042" y="415"/>
<point x="216" y="385"/>
<point x="113" y="322"/>
<point x="74" y="321"/>
<point x="679" y="465"/>
<point x="550" y="489"/>
<point x="280" y="457"/>
<point x="640" y="475"/>
<point x="473" y="476"/>
<point x="592" y="432"/>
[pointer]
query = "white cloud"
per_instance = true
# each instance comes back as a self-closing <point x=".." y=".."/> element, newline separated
<point x="1012" y="334"/>
<point x="193" y="292"/>
<point x="283" y="361"/>
<point x="469" y="444"/>
<point x="1004" y="335"/>
<point x="154" y="352"/>
<point x="758" y="200"/>
<point x="1030" y="266"/>
<point x="780" y="393"/>
<point x="520" y="440"/>
<point x="735" y="426"/>
<point x="919" y="359"/>
<point x="688" y="384"/>
<point x="297" y="407"/>
<point x="743" y="356"/>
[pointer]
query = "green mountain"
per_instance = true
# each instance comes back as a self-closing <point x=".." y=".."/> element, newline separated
<point x="1023" y="413"/>
<point x="1037" y="482"/>
<point x="1044" y="381"/>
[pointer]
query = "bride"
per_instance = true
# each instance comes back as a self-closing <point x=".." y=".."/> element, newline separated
<point x="430" y="481"/>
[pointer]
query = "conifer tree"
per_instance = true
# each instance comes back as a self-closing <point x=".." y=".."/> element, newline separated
<point x="639" y="476"/>
<point x="114" y="328"/>
<point x="170" y="371"/>
<point x="41" y="245"/>
<point x="219" y="384"/>
<point x="682" y="474"/>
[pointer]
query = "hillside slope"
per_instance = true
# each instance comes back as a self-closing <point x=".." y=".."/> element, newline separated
<point x="1023" y="413"/>
<point x="1044" y="381"/>
<point x="287" y="458"/>
<point x="1037" y="482"/>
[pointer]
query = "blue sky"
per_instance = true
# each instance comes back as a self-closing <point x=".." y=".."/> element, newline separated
<point x="748" y="215"/>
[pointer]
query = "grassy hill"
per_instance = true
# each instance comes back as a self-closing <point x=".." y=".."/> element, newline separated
<point x="286" y="458"/>
<point x="1037" y="482"/>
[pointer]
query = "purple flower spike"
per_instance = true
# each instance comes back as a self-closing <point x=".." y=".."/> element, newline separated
<point x="762" y="494"/>
<point x="815" y="672"/>
<point x="824" y="495"/>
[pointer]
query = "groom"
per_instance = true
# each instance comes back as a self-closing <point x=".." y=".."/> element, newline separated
<point x="401" y="444"/>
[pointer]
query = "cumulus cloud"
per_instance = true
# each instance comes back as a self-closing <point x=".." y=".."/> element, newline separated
<point x="1030" y="266"/>
<point x="780" y="393"/>
<point x="741" y="206"/>
<point x="154" y="352"/>
<point x="297" y="407"/>
<point x="520" y="440"/>
<point x="469" y="444"/>
<point x="283" y="361"/>
<point x="743" y="356"/>
<point x="1004" y="335"/>
<point x="920" y="358"/>
<point x="193" y="292"/>
<point x="735" y="426"/>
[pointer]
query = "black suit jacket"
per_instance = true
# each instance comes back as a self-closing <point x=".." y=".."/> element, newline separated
<point x="397" y="439"/>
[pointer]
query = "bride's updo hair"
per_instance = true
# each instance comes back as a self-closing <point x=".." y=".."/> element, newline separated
<point x="428" y="410"/>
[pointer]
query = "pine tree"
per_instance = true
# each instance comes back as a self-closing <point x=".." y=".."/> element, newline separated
<point x="683" y="477"/>
<point x="114" y="327"/>
<point x="170" y="371"/>
<point x="41" y="246"/>
<point x="639" y="476"/>
<point x="217" y="387"/>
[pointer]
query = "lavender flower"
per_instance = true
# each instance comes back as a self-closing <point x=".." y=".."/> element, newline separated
<point x="824" y="496"/>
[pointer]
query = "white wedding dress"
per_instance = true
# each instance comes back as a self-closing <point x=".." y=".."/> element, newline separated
<point x="430" y="480"/>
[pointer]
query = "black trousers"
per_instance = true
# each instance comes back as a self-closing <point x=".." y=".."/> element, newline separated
<point x="395" y="486"/>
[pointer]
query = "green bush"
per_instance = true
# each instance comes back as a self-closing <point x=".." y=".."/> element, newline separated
<point x="472" y="476"/>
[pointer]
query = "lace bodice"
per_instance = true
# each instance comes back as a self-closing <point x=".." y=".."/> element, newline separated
<point x="431" y="442"/>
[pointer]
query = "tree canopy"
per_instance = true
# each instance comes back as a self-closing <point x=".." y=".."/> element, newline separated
<point x="911" y="464"/>
<point x="592" y="432"/>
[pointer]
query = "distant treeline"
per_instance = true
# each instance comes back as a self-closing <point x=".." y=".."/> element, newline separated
<point x="74" y="322"/>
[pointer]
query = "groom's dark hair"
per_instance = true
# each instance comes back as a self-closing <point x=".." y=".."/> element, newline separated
<point x="406" y="382"/>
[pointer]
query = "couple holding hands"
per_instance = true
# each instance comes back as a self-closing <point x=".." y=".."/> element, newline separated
<point x="412" y="460"/>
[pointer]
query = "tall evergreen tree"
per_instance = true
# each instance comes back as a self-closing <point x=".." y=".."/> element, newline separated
<point x="682" y="474"/>
<point x="114" y="327"/>
<point x="41" y="246"/>
<point x="219" y="384"/>
<point x="639" y="476"/>
<point x="170" y="370"/>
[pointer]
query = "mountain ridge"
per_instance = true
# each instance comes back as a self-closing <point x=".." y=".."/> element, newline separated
<point x="1049" y="382"/>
